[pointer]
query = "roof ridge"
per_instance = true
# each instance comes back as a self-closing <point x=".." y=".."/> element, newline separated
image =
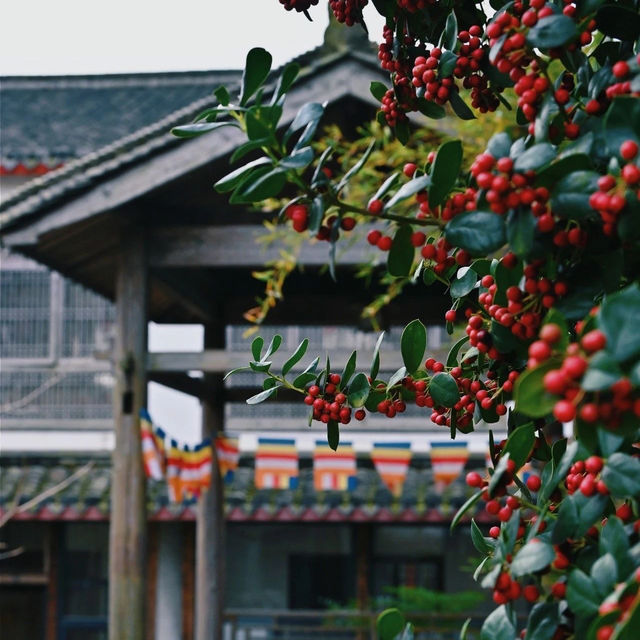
<point x="25" y="198"/>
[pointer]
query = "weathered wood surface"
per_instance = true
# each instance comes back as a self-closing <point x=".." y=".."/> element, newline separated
<point x="127" y="534"/>
<point x="210" y="525"/>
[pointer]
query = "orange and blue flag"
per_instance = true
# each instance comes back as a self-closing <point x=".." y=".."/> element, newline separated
<point x="448" y="460"/>
<point x="391" y="460"/>
<point x="276" y="464"/>
<point x="228" y="453"/>
<point x="152" y="455"/>
<point x="334" y="470"/>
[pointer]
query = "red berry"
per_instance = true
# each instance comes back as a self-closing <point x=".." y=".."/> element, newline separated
<point x="531" y="593"/>
<point x="593" y="341"/>
<point x="564" y="411"/>
<point x="474" y="479"/>
<point x="384" y="243"/>
<point x="409" y="169"/>
<point x="628" y="149"/>
<point x="620" y="69"/>
<point x="375" y="207"/>
<point x="533" y="483"/>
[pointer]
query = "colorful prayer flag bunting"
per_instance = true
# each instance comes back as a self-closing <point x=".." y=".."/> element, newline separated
<point x="228" y="453"/>
<point x="174" y="472"/>
<point x="391" y="460"/>
<point x="448" y="460"/>
<point x="334" y="469"/>
<point x="276" y="464"/>
<point x="152" y="459"/>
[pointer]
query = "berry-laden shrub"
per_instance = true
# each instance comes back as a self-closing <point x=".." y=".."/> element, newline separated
<point x="539" y="246"/>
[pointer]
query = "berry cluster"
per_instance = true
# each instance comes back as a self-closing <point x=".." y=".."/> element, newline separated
<point x="299" y="216"/>
<point x="609" y="201"/>
<point x="299" y="5"/>
<point x="348" y="11"/>
<point x="608" y="406"/>
<point x="328" y="403"/>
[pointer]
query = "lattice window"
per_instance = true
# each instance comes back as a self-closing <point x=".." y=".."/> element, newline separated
<point x="87" y="321"/>
<point x="25" y="299"/>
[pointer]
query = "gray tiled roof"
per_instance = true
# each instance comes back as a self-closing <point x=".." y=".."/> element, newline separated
<point x="59" y="118"/>
<point x="139" y="144"/>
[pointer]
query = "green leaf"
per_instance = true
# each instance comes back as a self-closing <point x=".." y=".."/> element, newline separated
<point x="464" y="629"/>
<point x="267" y="186"/>
<point x="535" y="157"/>
<point x="308" y="114"/>
<point x="333" y="434"/>
<point x="464" y="508"/>
<point x="614" y="540"/>
<point x="375" y="362"/>
<point x="287" y="78"/>
<point x="198" y="128"/>
<point x="622" y="122"/>
<point x="452" y="357"/>
<point x="582" y="594"/>
<point x="536" y="555"/>
<point x="358" y="390"/>
<point x="590" y="511"/>
<point x="499" y="145"/>
<point x="431" y="109"/>
<point x="389" y="624"/>
<point x="297" y="355"/>
<point x="247" y="147"/>
<point x="460" y="107"/>
<point x="449" y="37"/>
<point x="619" y="22"/>
<point x="412" y="345"/>
<point x="378" y="90"/>
<point x="548" y="111"/>
<point x="357" y="166"/>
<point x="298" y="159"/>
<point x="263" y="395"/>
<point x="566" y="523"/>
<point x="407" y="190"/>
<point x="274" y="345"/>
<point x="521" y="228"/>
<point x="479" y="232"/>
<point x="570" y="195"/>
<point x="621" y="474"/>
<point x="604" y="573"/>
<point x="256" y="70"/>
<point x="256" y="347"/>
<point x="307" y="375"/>
<point x="498" y="472"/>
<point x="559" y="468"/>
<point x="603" y="372"/>
<point x="552" y="31"/>
<point x="464" y="283"/>
<point x="222" y="95"/>
<point x="543" y="621"/>
<point x="478" y="539"/>
<point x="445" y="172"/>
<point x="231" y="180"/>
<point x="618" y="319"/>
<point x="396" y="377"/>
<point x="444" y="390"/>
<point x="386" y="186"/>
<point x="520" y="443"/>
<point x="257" y="124"/>
<point x="348" y="371"/>
<point x="447" y="64"/>
<point x="316" y="215"/>
<point x="498" y="626"/>
<point x="529" y="394"/>
<point x="401" y="253"/>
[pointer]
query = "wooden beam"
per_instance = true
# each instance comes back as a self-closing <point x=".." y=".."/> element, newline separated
<point x="180" y="382"/>
<point x="235" y="246"/>
<point x="210" y="523"/>
<point x="128" y="533"/>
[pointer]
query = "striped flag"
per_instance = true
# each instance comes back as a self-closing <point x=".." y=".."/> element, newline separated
<point x="228" y="455"/>
<point x="334" y="469"/>
<point x="174" y="472"/>
<point x="448" y="460"/>
<point x="196" y="468"/>
<point x="152" y="458"/>
<point x="276" y="464"/>
<point x="391" y="460"/>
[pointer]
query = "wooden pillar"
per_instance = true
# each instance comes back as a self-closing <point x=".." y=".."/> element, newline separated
<point x="188" y="581"/>
<point x="152" y="579"/>
<point x="363" y="556"/>
<point x="127" y="534"/>
<point x="53" y="580"/>
<point x="210" y="525"/>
